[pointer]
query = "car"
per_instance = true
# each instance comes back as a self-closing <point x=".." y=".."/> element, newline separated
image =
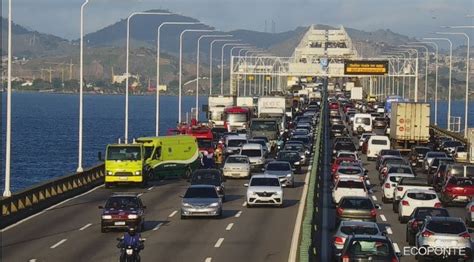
<point x="460" y="154"/>
<point x="233" y="143"/>
<point x="236" y="166"/>
<point x="368" y="248"/>
<point x="395" y="169"/>
<point x="264" y="138"/>
<point x="264" y="190"/>
<point x="434" y="167"/>
<point x="349" y="228"/>
<point x="283" y="171"/>
<point x="375" y="144"/>
<point x="342" y="139"/>
<point x="363" y="137"/>
<point x="450" y="146"/>
<point x="343" y="160"/>
<point x="211" y="177"/>
<point x="417" y="218"/>
<point x="304" y="160"/>
<point x="403" y="185"/>
<point x="122" y="211"/>
<point x="362" y="123"/>
<point x="390" y="183"/>
<point x="379" y="123"/>
<point x="386" y="153"/>
<point x="338" y="130"/>
<point x="457" y="190"/>
<point x="261" y="142"/>
<point x="356" y="208"/>
<point x="307" y="142"/>
<point x="201" y="200"/>
<point x="292" y="157"/>
<point x="445" y="232"/>
<point x="343" y="146"/>
<point x="348" y="187"/>
<point x="414" y="198"/>
<point x="255" y="154"/>
<point x="429" y="157"/>
<point x="470" y="213"/>
<point x="349" y="171"/>
<point x="417" y="154"/>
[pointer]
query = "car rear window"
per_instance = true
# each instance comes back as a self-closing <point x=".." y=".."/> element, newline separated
<point x="395" y="179"/>
<point x="359" y="230"/>
<point x="350" y="184"/>
<point x="278" y="167"/>
<point x="347" y="155"/>
<point x="349" y="171"/>
<point x="461" y="181"/>
<point x="373" y="247"/>
<point x="379" y="142"/>
<point x="236" y="142"/>
<point x="421" y="196"/>
<point x="356" y="203"/>
<point x="201" y="192"/>
<point x="446" y="227"/>
<point x="251" y="152"/>
<point x="400" y="170"/>
<point x="423" y="213"/>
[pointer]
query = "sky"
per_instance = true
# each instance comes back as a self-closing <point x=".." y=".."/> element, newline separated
<point x="416" y="18"/>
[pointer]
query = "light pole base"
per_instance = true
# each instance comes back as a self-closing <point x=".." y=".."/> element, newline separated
<point x="7" y="193"/>
<point x="79" y="169"/>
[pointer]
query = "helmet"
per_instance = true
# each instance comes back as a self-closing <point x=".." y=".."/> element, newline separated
<point x="131" y="231"/>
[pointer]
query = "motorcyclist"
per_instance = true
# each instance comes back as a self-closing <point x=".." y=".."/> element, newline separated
<point x="133" y="239"/>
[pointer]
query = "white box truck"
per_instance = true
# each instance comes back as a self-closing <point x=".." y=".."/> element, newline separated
<point x="349" y="86"/>
<point x="409" y="124"/>
<point x="217" y="104"/>
<point x="272" y="107"/>
<point x="357" y="93"/>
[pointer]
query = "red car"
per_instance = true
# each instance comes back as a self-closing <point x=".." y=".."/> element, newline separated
<point x="457" y="190"/>
<point x="334" y="105"/>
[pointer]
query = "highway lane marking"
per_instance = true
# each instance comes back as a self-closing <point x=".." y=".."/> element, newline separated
<point x="384" y="219"/>
<point x="208" y="259"/>
<point x="219" y="242"/>
<point x="397" y="249"/>
<point x="49" y="208"/>
<point x="238" y="214"/>
<point x="172" y="214"/>
<point x="389" y="230"/>
<point x="84" y="227"/>
<point x="59" y="243"/>
<point x="150" y="188"/>
<point x="368" y="182"/>
<point x="229" y="226"/>
<point x="244" y="204"/>
<point x="374" y="197"/>
<point x="157" y="226"/>
<point x="32" y="260"/>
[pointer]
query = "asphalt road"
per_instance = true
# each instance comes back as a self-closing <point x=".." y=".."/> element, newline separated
<point x="71" y="230"/>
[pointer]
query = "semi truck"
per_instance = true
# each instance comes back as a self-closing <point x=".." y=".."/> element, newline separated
<point x="409" y="124"/>
<point x="217" y="104"/>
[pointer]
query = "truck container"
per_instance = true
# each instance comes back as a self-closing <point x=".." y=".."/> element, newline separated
<point x="409" y="124"/>
<point x="245" y="101"/>
<point x="349" y="86"/>
<point x="357" y="93"/>
<point x="217" y="104"/>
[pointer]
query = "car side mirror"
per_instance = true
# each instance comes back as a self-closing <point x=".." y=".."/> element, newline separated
<point x="99" y="156"/>
<point x="246" y="185"/>
<point x="283" y="185"/>
<point x="101" y="207"/>
<point x="378" y="207"/>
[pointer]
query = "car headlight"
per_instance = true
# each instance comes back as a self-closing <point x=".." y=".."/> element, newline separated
<point x="297" y="162"/>
<point x="106" y="217"/>
<point x="289" y="175"/>
<point x="186" y="205"/>
<point x="214" y="205"/>
<point x="132" y="216"/>
<point x="137" y="173"/>
<point x="110" y="173"/>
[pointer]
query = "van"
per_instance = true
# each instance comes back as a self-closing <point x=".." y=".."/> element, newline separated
<point x="375" y="144"/>
<point x="255" y="154"/>
<point x="234" y="143"/>
<point x="362" y="123"/>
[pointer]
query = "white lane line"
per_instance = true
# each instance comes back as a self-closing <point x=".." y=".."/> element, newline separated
<point x="309" y="168"/>
<point x="59" y="243"/>
<point x="389" y="230"/>
<point x="229" y="226"/>
<point x="244" y="204"/>
<point x="208" y="259"/>
<point x="384" y="219"/>
<point x="84" y="227"/>
<point x="374" y="197"/>
<point x="397" y="249"/>
<point x="139" y="195"/>
<point x="150" y="188"/>
<point x="32" y="260"/>
<point x="238" y="214"/>
<point x="49" y="208"/>
<point x="219" y="242"/>
<point x="172" y="214"/>
<point x="368" y="182"/>
<point x="157" y="226"/>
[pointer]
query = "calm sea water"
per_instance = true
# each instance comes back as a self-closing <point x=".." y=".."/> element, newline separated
<point x="44" y="126"/>
<point x="45" y="130"/>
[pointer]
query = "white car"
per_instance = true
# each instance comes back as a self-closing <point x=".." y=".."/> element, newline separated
<point x="348" y="154"/>
<point x="363" y="137"/>
<point x="390" y="184"/>
<point x="236" y="166"/>
<point x="349" y="187"/>
<point x="362" y="123"/>
<point x="233" y="144"/>
<point x="375" y="144"/>
<point x="264" y="190"/>
<point x="255" y="154"/>
<point x="414" y="198"/>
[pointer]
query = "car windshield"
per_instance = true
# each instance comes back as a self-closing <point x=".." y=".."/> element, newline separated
<point x="205" y="178"/>
<point x="148" y="151"/>
<point x="461" y="181"/>
<point x="349" y="171"/>
<point x="362" y="120"/>
<point x="257" y="141"/>
<point x="356" y="203"/>
<point x="201" y="192"/>
<point x="394" y="161"/>
<point x="251" y="152"/>
<point x="400" y="170"/>
<point x="369" y="247"/>
<point x="423" y="213"/>
<point x="288" y="155"/>
<point x="305" y="140"/>
<point x="293" y="147"/>
<point x="204" y="143"/>
<point x="421" y="196"/>
<point x="236" y="142"/>
<point x="347" y="155"/>
<point x="263" y="126"/>
<point x="235" y="117"/>
<point x="122" y="203"/>
<point x="124" y="153"/>
<point x="446" y="227"/>
<point x="278" y="167"/>
<point x="264" y="181"/>
<point x="345" y="146"/>
<point x="237" y="160"/>
<point x="359" y="230"/>
<point x="350" y="184"/>
<point x="459" y="170"/>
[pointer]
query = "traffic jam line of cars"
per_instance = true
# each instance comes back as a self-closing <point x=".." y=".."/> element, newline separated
<point x="426" y="190"/>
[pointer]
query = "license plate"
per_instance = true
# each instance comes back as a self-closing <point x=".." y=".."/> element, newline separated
<point x="123" y="178"/>
<point x="120" y="223"/>
<point x="234" y="174"/>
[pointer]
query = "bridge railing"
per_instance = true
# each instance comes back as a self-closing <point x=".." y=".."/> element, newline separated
<point x="39" y="197"/>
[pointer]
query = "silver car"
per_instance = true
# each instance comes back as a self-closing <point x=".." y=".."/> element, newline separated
<point x="429" y="157"/>
<point x="201" y="200"/>
<point x="282" y="170"/>
<point x="348" y="228"/>
<point x="237" y="166"/>
<point x="470" y="213"/>
<point x="444" y="232"/>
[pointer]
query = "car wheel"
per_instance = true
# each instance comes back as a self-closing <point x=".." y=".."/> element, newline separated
<point x="249" y="205"/>
<point x="384" y="200"/>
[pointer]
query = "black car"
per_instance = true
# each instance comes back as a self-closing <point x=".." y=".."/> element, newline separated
<point x="417" y="154"/>
<point x="368" y="248"/>
<point x="293" y="157"/>
<point x="343" y="146"/>
<point x="416" y="220"/>
<point x="213" y="177"/>
<point x="338" y="130"/>
<point x="121" y="211"/>
<point x="379" y="122"/>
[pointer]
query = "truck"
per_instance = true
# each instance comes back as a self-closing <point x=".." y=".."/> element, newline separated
<point x="348" y="86"/>
<point x="409" y="124"/>
<point x="273" y="107"/>
<point x="237" y="117"/>
<point x="357" y="93"/>
<point x="217" y="104"/>
<point x="331" y="87"/>
<point x="267" y="127"/>
<point x="125" y="164"/>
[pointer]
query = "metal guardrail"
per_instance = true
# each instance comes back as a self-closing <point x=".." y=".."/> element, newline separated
<point x="454" y="135"/>
<point x="39" y="197"/>
<point x="307" y="251"/>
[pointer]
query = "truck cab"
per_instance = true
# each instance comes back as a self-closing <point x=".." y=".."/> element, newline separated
<point x="125" y="164"/>
<point x="237" y="117"/>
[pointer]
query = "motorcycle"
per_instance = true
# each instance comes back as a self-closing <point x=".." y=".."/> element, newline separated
<point x="129" y="253"/>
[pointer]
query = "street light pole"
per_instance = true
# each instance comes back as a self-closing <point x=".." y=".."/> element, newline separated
<point x="242" y="47"/>
<point x="181" y="66"/>
<point x="158" y="50"/>
<point x="127" y="59"/>
<point x="416" y="72"/>
<point x="222" y="63"/>
<point x="210" y="60"/>
<point x="450" y="74"/>
<point x="427" y="57"/>
<point x="7" y="192"/>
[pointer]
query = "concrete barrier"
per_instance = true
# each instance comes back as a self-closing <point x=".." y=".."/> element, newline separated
<point x="34" y="199"/>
